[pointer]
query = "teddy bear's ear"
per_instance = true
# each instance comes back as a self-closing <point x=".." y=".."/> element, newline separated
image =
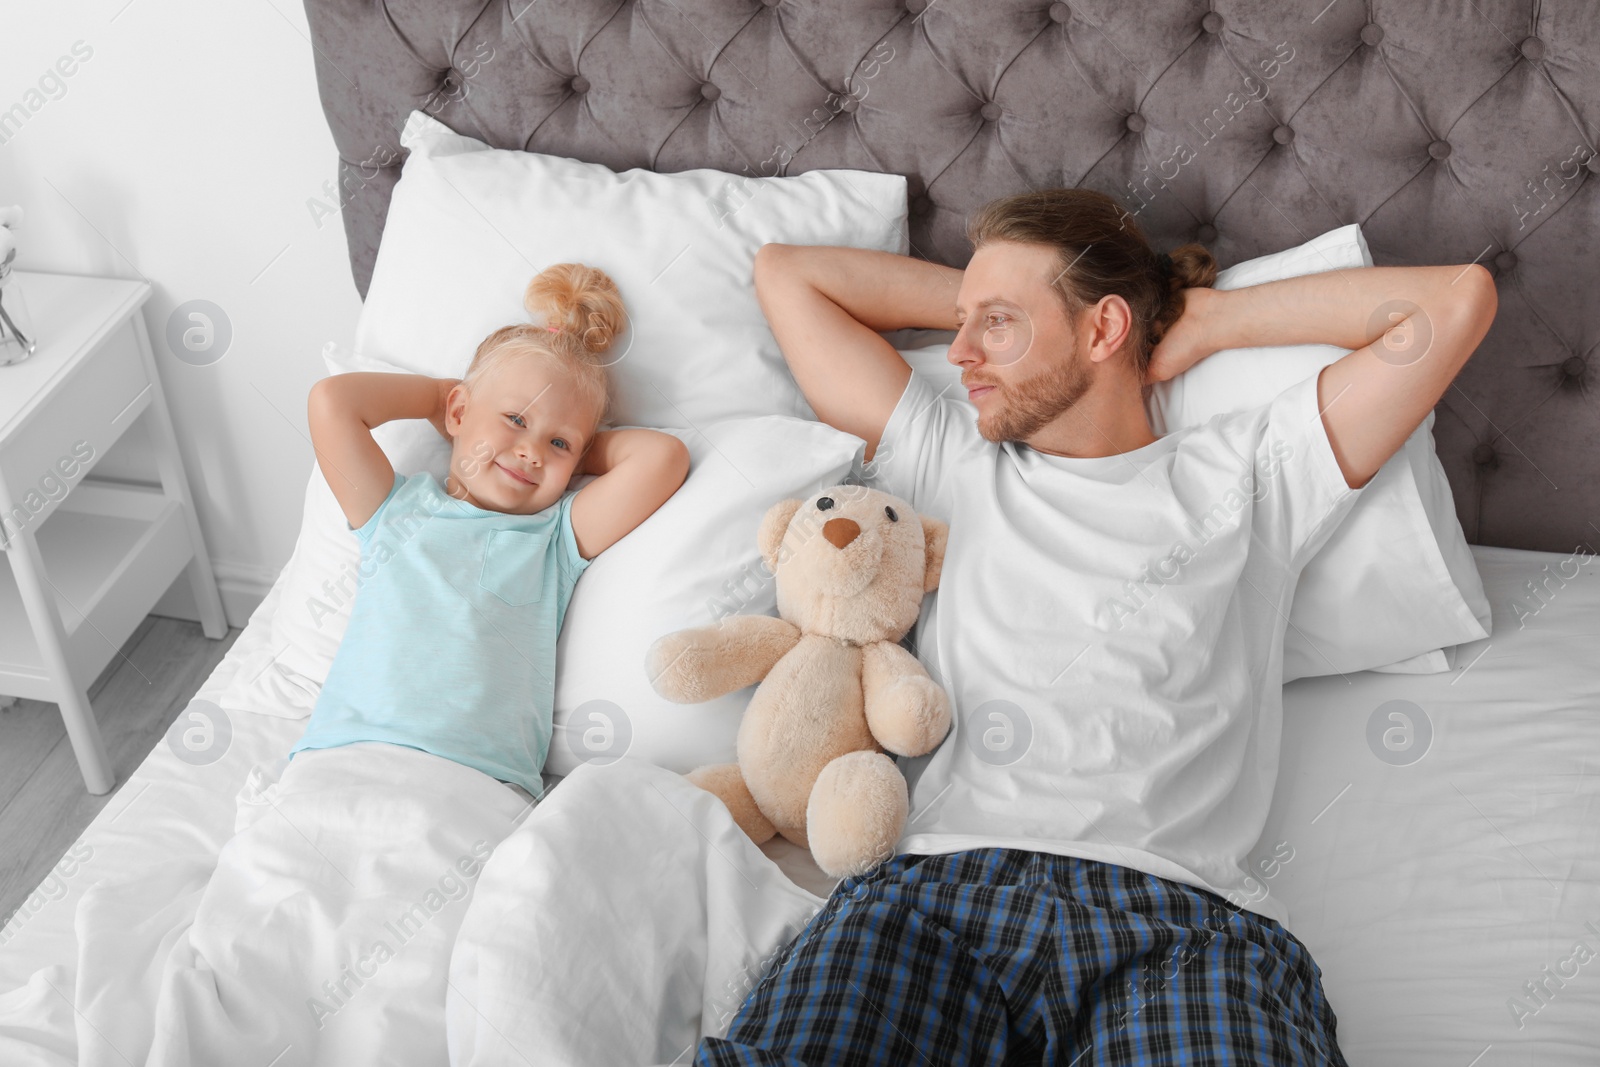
<point x="776" y="523"/>
<point x="935" y="534"/>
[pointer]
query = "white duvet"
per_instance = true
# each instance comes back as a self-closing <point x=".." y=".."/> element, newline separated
<point x="624" y="919"/>
<point x="322" y="935"/>
<point x="378" y="904"/>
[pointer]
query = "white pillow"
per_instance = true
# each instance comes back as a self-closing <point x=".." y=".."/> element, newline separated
<point x="469" y="225"/>
<point x="1395" y="584"/>
<point x="692" y="561"/>
<point x="1233" y="379"/>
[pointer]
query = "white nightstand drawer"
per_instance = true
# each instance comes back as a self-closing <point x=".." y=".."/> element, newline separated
<point x="73" y="428"/>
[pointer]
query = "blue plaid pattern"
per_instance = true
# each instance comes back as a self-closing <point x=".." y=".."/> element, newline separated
<point x="999" y="956"/>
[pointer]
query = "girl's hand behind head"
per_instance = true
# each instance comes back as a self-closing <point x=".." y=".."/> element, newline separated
<point x="438" y="416"/>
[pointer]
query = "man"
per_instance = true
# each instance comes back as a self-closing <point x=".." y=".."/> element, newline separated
<point x="1110" y="627"/>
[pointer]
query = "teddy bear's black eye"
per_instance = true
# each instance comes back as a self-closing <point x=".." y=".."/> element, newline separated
<point x="892" y="516"/>
<point x="825" y="503"/>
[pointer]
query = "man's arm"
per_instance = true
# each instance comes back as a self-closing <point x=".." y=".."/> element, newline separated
<point x="639" y="470"/>
<point x="826" y="304"/>
<point x="1411" y="330"/>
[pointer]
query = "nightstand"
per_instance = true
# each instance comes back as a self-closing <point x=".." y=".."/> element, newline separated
<point x="88" y="559"/>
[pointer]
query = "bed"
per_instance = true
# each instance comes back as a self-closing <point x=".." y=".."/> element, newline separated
<point x="1430" y="893"/>
<point x="1432" y="836"/>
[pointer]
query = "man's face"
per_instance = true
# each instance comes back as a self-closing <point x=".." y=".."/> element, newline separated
<point x="1016" y="346"/>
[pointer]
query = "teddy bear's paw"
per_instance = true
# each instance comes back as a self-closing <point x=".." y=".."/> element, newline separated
<point x="677" y="667"/>
<point x="910" y="716"/>
<point x="724" y="781"/>
<point x="691" y="666"/>
<point x="856" y="812"/>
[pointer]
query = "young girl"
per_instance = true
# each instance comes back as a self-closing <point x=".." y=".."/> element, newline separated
<point x="451" y="641"/>
<point x="323" y="933"/>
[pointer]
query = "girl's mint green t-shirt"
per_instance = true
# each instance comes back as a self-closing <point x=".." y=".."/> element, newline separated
<point x="451" y="646"/>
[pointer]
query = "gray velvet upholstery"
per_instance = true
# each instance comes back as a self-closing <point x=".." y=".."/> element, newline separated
<point x="1452" y="130"/>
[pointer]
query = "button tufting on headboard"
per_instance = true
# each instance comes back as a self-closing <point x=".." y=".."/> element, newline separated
<point x="1453" y="133"/>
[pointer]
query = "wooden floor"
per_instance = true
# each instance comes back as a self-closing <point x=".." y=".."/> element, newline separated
<point x="43" y="803"/>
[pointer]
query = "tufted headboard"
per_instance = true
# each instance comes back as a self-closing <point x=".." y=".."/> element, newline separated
<point x="1452" y="130"/>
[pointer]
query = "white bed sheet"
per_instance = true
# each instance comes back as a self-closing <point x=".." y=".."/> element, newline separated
<point x="1429" y="893"/>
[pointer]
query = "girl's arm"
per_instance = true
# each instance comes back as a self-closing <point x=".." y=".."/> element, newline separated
<point x="639" y="470"/>
<point x="343" y="409"/>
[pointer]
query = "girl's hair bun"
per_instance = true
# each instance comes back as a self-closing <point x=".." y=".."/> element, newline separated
<point x="580" y="301"/>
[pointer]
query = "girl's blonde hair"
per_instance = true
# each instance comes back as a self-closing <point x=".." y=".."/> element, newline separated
<point x="581" y="315"/>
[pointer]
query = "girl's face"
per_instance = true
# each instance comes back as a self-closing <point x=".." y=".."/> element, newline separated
<point x="518" y="435"/>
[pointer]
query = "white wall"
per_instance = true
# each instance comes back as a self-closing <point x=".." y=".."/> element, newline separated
<point x="184" y="150"/>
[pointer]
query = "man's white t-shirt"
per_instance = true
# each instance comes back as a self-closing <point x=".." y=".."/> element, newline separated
<point x="1110" y="632"/>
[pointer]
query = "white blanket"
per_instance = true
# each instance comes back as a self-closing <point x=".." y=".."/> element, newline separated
<point x="626" y="918"/>
<point x="323" y="934"/>
<point x="378" y="904"/>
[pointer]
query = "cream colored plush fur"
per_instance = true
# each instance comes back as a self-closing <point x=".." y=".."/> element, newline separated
<point x="837" y="690"/>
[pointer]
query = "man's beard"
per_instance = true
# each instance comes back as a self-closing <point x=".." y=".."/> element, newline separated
<point x="1028" y="406"/>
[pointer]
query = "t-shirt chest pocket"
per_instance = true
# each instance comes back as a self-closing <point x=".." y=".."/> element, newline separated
<point x="513" y="565"/>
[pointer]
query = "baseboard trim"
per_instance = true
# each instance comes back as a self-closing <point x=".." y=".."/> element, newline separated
<point x="242" y="588"/>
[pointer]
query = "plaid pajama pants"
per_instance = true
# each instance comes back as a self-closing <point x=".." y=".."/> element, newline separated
<point x="998" y="956"/>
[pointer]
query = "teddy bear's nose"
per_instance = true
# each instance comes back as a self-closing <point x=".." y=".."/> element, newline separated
<point x="840" y="532"/>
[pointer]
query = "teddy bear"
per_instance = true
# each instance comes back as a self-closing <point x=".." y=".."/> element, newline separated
<point x="837" y="690"/>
